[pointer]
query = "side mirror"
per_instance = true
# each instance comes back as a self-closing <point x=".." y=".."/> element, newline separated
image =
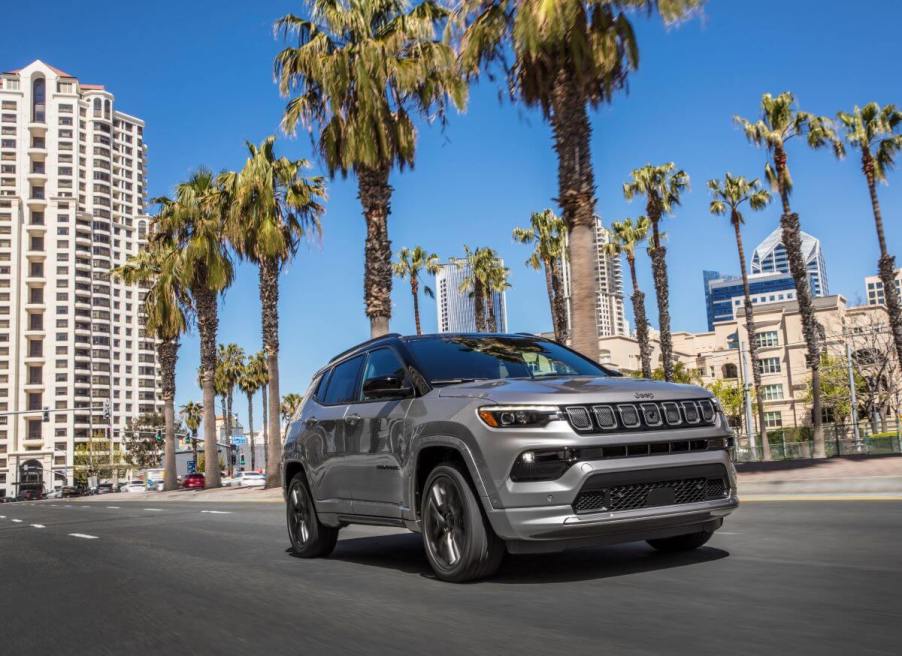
<point x="387" y="387"/>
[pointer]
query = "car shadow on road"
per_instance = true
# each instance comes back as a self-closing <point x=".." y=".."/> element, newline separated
<point x="405" y="553"/>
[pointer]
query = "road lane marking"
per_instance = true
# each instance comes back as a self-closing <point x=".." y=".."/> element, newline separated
<point x="2" y="516"/>
<point x="83" y="536"/>
<point x="113" y="507"/>
<point x="38" y="526"/>
<point x="217" y="512"/>
<point x="16" y="521"/>
<point x="154" y="509"/>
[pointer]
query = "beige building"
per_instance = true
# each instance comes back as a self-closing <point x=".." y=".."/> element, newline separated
<point x="72" y="195"/>
<point x="874" y="288"/>
<point x="715" y="355"/>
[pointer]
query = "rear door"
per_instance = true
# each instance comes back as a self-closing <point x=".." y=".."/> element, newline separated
<point x="378" y="438"/>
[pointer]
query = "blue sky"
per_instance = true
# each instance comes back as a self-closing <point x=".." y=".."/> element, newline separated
<point x="200" y="74"/>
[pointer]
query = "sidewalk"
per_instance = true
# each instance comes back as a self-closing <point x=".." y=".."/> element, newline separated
<point x="847" y="475"/>
<point x="220" y="495"/>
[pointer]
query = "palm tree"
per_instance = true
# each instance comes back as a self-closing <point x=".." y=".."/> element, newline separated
<point x="409" y="264"/>
<point x="272" y="206"/>
<point x="478" y="265"/>
<point x="167" y="308"/>
<point x="193" y="223"/>
<point x="259" y="360"/>
<point x="872" y="130"/>
<point x="662" y="186"/>
<point x="496" y="283"/>
<point x="290" y="404"/>
<point x="253" y="378"/>
<point x="567" y="56"/>
<point x="780" y="122"/>
<point x="625" y="236"/>
<point x="230" y="364"/>
<point x="728" y="196"/>
<point x="191" y="414"/>
<point x="359" y="73"/>
<point x="547" y="231"/>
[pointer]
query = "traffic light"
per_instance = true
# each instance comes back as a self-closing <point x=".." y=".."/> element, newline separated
<point x="242" y="460"/>
<point x="159" y="436"/>
<point x="46" y="417"/>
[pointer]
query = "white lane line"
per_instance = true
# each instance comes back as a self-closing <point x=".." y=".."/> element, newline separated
<point x="38" y="526"/>
<point x="2" y="516"/>
<point x="113" y="507"/>
<point x="154" y="509"/>
<point x="217" y="512"/>
<point x="83" y="536"/>
<point x="16" y="521"/>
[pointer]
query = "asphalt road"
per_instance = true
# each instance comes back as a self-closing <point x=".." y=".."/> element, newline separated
<point x="121" y="577"/>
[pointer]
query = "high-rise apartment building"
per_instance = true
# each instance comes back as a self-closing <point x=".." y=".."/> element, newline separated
<point x="72" y="195"/>
<point x="725" y="295"/>
<point x="770" y="257"/>
<point x="610" y="318"/>
<point x="874" y="287"/>
<point x="456" y="312"/>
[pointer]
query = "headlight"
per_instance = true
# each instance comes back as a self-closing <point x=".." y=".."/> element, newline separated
<point x="518" y="416"/>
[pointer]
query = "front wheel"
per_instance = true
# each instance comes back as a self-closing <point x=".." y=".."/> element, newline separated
<point x="460" y="544"/>
<point x="309" y="538"/>
<point x="681" y="542"/>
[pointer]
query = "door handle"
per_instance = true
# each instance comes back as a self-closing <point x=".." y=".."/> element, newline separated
<point x="352" y="420"/>
<point x="311" y="422"/>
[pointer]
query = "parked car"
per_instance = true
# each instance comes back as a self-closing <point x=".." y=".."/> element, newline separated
<point x="31" y="495"/>
<point x="250" y="479"/>
<point x="104" y="488"/>
<point x="7" y="499"/>
<point x="194" y="481"/>
<point x="56" y="493"/>
<point x="490" y="443"/>
<point x="69" y="491"/>
<point x="135" y="487"/>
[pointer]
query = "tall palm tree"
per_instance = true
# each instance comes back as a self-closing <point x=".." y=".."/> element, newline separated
<point x="662" y="187"/>
<point x="728" y="196"/>
<point x="566" y="56"/>
<point x="290" y="404"/>
<point x="873" y="130"/>
<point x="271" y="207"/>
<point x="625" y="236"/>
<point x="167" y="308"/>
<point x="478" y="265"/>
<point x="359" y="73"/>
<point x="781" y="122"/>
<point x="230" y="364"/>
<point x="253" y="378"/>
<point x="259" y="362"/>
<point x="193" y="223"/>
<point x="191" y="414"/>
<point x="547" y="231"/>
<point x="496" y="283"/>
<point x="410" y="263"/>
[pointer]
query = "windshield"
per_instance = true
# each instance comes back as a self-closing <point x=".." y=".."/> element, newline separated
<point x="462" y="358"/>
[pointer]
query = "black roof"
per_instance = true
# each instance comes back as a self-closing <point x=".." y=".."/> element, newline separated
<point x="390" y="337"/>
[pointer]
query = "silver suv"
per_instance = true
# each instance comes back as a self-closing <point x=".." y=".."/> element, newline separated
<point x="494" y="443"/>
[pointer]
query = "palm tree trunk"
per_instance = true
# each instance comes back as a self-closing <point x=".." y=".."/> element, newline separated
<point x="576" y="196"/>
<point x="479" y="305"/>
<point x="638" y="299"/>
<point x="662" y="291"/>
<point x="492" y="322"/>
<point x="229" y="429"/>
<point x="207" y="326"/>
<point x="560" y="304"/>
<point x="887" y="263"/>
<point x="269" y="301"/>
<point x="250" y="430"/>
<point x="753" y="345"/>
<point x="374" y="193"/>
<point x="414" y="290"/>
<point x="265" y="396"/>
<point x="792" y="242"/>
<point x="168" y="354"/>
<point x="548" y="264"/>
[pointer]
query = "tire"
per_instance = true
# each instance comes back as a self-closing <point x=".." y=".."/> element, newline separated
<point x="460" y="544"/>
<point x="681" y="542"/>
<point x="309" y="538"/>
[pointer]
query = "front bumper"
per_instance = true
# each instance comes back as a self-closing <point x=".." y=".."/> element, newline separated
<point x="550" y="522"/>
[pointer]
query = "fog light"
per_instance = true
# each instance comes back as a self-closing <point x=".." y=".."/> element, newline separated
<point x="528" y="458"/>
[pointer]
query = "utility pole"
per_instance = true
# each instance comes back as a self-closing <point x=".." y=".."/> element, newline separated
<point x="853" y="397"/>
<point x="746" y="393"/>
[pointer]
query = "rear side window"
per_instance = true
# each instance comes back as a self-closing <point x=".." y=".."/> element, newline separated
<point x="342" y="386"/>
<point x="321" y="384"/>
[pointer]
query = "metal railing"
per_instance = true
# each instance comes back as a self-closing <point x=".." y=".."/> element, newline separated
<point x="839" y="440"/>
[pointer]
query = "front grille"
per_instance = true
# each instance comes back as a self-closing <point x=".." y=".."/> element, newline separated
<point x="652" y="488"/>
<point x="645" y="416"/>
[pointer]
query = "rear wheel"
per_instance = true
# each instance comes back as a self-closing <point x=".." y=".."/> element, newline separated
<point x="309" y="538"/>
<point x="681" y="542"/>
<point x="460" y="544"/>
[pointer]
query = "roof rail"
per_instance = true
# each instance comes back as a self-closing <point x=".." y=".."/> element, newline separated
<point x="363" y="345"/>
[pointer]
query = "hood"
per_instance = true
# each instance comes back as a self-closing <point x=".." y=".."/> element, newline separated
<point x="573" y="389"/>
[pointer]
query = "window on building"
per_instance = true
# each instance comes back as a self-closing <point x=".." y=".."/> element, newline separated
<point x="769" y="365"/>
<point x="38" y="100"/>
<point x="730" y="371"/>
<point x="767" y="339"/>
<point x="773" y="419"/>
<point x="772" y="392"/>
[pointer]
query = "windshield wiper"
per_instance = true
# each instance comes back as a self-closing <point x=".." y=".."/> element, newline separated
<point x="454" y="381"/>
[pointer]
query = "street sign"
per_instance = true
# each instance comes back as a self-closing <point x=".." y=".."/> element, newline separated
<point x="239" y="440"/>
<point x="192" y="466"/>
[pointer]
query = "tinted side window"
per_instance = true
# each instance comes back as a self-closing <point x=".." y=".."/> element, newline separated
<point x="383" y="362"/>
<point x="321" y="384"/>
<point x="342" y="387"/>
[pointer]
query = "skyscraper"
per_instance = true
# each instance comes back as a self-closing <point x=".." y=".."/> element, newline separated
<point x="610" y="318"/>
<point x="72" y="194"/>
<point x="455" y="309"/>
<point x="725" y="296"/>
<point x="770" y="256"/>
